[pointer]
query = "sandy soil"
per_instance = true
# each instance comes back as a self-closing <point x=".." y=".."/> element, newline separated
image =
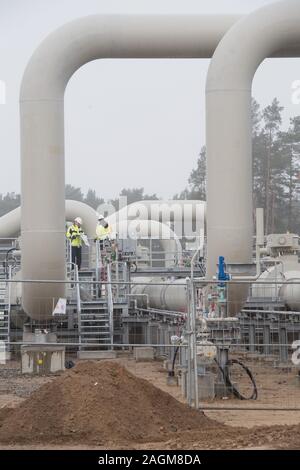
<point x="276" y="386"/>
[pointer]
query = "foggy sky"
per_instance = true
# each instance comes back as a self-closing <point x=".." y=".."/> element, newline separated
<point x="128" y="123"/>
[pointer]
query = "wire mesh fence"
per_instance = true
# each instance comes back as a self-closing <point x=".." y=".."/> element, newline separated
<point x="224" y="345"/>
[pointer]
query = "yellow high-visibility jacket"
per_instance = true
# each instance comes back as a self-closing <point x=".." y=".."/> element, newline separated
<point x="102" y="233"/>
<point x="74" y="235"/>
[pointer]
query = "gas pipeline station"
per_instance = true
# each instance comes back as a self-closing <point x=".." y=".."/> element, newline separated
<point x="195" y="285"/>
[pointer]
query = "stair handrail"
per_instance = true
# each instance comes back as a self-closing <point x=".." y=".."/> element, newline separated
<point x="78" y="300"/>
<point x="110" y="304"/>
<point x="9" y="284"/>
<point x="98" y="260"/>
<point x="75" y="273"/>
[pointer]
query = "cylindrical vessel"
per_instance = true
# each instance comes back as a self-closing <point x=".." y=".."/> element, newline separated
<point x="171" y="296"/>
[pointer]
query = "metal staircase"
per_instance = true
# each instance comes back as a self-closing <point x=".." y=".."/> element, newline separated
<point x="95" y="324"/>
<point x="96" y="304"/>
<point x="4" y="306"/>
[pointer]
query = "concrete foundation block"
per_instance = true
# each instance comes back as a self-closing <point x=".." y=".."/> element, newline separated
<point x="206" y="386"/>
<point x="297" y="380"/>
<point x="172" y="380"/>
<point x="222" y="391"/>
<point x="5" y="356"/>
<point x="34" y="337"/>
<point x="253" y="356"/>
<point x="42" y="360"/>
<point x="143" y="354"/>
<point x="284" y="366"/>
<point x="168" y="365"/>
<point x="269" y="359"/>
<point x="96" y="355"/>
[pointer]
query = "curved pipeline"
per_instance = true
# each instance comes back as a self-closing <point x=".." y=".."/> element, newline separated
<point x="42" y="123"/>
<point x="272" y="31"/>
<point x="187" y="217"/>
<point x="10" y="223"/>
<point x="171" y="296"/>
<point x="151" y="229"/>
<point x="10" y="226"/>
<point x="137" y="230"/>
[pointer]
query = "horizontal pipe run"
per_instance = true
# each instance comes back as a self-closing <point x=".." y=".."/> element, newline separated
<point x="204" y="282"/>
<point x="117" y="345"/>
<point x="161" y="312"/>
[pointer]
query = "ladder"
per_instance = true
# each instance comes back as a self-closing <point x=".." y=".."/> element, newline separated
<point x="96" y="317"/>
<point x="94" y="326"/>
<point x="4" y="307"/>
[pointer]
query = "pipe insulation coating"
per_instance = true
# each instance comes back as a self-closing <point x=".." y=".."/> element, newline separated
<point x="47" y="74"/>
<point x="270" y="31"/>
<point x="172" y="296"/>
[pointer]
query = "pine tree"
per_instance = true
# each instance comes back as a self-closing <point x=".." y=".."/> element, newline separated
<point x="91" y="199"/>
<point x="291" y="175"/>
<point x="197" y="181"/>
<point x="272" y="122"/>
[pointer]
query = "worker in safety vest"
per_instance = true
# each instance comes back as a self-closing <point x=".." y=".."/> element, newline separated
<point x="103" y="229"/>
<point x="75" y="234"/>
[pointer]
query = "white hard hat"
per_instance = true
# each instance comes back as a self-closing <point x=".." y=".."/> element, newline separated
<point x="78" y="220"/>
<point x="100" y="217"/>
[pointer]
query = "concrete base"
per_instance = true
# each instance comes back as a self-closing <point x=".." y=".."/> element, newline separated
<point x="143" y="354"/>
<point x="253" y="356"/>
<point x="42" y="360"/>
<point x="297" y="380"/>
<point x="221" y="391"/>
<point x="269" y="359"/>
<point x="172" y="380"/>
<point x="4" y="356"/>
<point x="206" y="386"/>
<point x="96" y="354"/>
<point x="285" y="366"/>
<point x="39" y="337"/>
<point x="167" y="364"/>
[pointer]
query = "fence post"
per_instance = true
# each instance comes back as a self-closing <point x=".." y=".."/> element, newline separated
<point x="192" y="346"/>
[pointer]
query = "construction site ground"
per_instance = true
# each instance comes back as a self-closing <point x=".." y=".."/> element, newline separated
<point x="127" y="395"/>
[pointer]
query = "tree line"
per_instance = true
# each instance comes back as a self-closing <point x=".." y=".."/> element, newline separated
<point x="11" y="201"/>
<point x="276" y="169"/>
<point x="276" y="174"/>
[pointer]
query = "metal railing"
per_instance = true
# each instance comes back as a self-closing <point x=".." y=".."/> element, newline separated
<point x="261" y="351"/>
<point x="110" y="305"/>
<point x="9" y="302"/>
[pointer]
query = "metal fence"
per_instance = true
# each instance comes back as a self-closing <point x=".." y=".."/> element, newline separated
<point x="220" y="351"/>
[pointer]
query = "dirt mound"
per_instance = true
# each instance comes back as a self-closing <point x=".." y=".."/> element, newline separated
<point x="100" y="402"/>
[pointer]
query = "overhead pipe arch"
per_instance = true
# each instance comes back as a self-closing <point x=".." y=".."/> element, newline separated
<point x="10" y="223"/>
<point x="186" y="216"/>
<point x="271" y="31"/>
<point x="42" y="122"/>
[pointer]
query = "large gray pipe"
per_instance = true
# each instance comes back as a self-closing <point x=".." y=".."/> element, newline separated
<point x="171" y="296"/>
<point x="42" y="122"/>
<point x="272" y="31"/>
<point x="187" y="216"/>
<point x="10" y="223"/>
